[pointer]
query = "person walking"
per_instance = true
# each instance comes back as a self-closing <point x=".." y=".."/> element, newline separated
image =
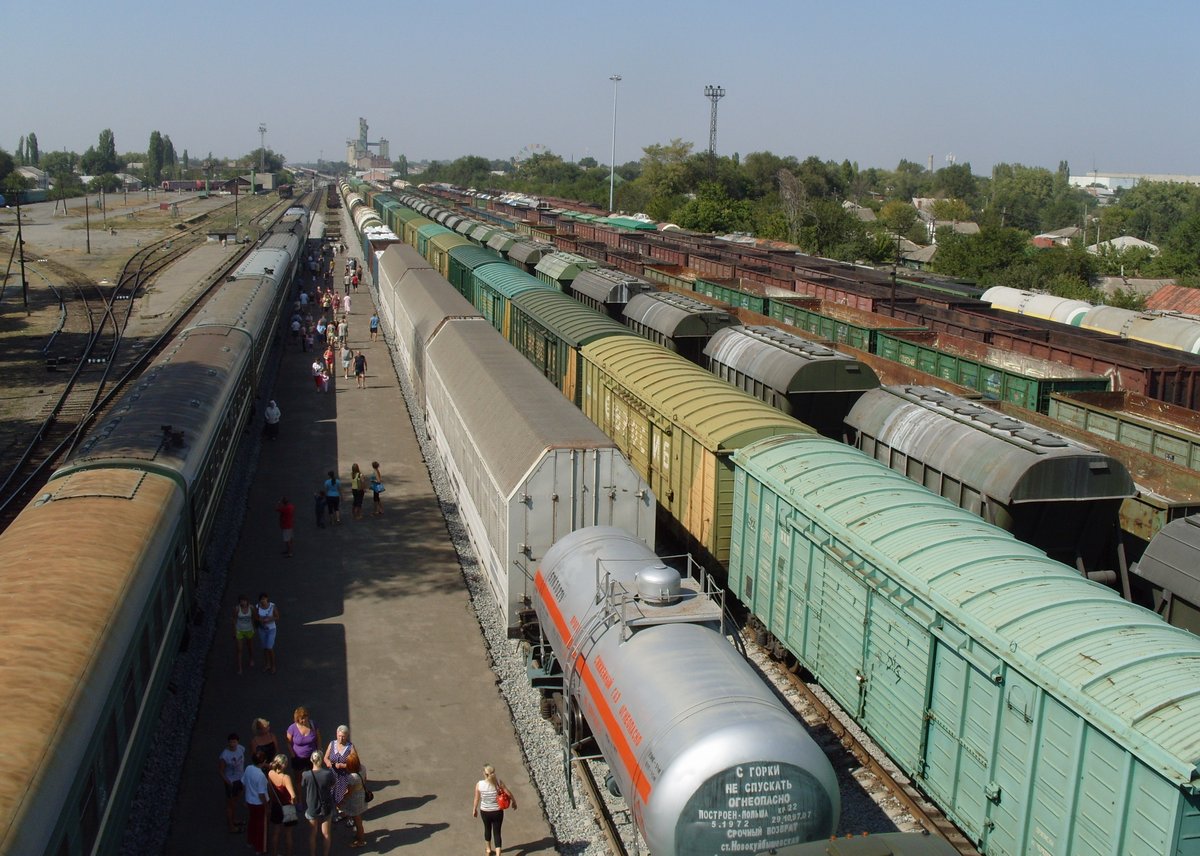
<point x="271" y="417"/>
<point x="262" y="738"/>
<point x="287" y="523"/>
<point x="231" y="764"/>
<point x="243" y="630"/>
<point x="266" y="614"/>
<point x="357" y="491"/>
<point x="319" y="507"/>
<point x="255" y="787"/>
<point x="317" y="785"/>
<point x="491" y="799"/>
<point x="317" y="371"/>
<point x="347" y="357"/>
<point x="374" y="325"/>
<point x="329" y="359"/>
<point x="360" y="369"/>
<point x="283" y="803"/>
<point x="343" y="330"/>
<point x="333" y="497"/>
<point x="377" y="489"/>
<point x="346" y="303"/>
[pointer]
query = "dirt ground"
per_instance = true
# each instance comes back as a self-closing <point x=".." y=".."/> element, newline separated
<point x="64" y="245"/>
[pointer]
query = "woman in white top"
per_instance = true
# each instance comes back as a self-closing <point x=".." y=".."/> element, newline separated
<point x="487" y="807"/>
<point x="243" y="630"/>
<point x="266" y="613"/>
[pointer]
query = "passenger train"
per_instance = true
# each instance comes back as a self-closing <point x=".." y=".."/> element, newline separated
<point x="1040" y="710"/>
<point x="100" y="569"/>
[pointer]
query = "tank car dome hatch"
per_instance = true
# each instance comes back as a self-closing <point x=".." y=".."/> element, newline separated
<point x="658" y="584"/>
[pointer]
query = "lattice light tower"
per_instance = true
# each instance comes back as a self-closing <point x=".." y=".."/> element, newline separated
<point x="713" y="94"/>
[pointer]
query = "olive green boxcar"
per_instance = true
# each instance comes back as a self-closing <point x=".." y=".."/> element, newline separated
<point x="549" y="328"/>
<point x="463" y="261"/>
<point x="482" y="233"/>
<point x="502" y="242"/>
<point x="495" y="285"/>
<point x="1041" y="711"/>
<point x="734" y="293"/>
<point x="998" y="374"/>
<point x="412" y="227"/>
<point x="438" y="247"/>
<point x="1154" y="427"/>
<point x="560" y="269"/>
<point x="678" y="425"/>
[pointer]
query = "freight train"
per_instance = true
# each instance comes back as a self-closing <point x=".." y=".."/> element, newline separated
<point x="1039" y="709"/>
<point x="531" y="475"/>
<point x="106" y="560"/>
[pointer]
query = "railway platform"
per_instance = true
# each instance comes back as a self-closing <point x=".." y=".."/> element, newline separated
<point x="376" y="631"/>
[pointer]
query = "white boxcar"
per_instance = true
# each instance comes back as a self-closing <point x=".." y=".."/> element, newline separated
<point x="526" y="465"/>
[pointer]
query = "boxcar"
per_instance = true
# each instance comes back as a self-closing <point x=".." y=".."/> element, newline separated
<point x="526" y="466"/>
<point x="1042" y="712"/>
<point x="677" y="322"/>
<point x="1160" y="429"/>
<point x="560" y="269"/>
<point x="607" y="291"/>
<point x="437" y="250"/>
<point x="804" y="379"/>
<point x="463" y="262"/>
<point x="1170" y="566"/>
<point x="495" y="285"/>
<point x="678" y="425"/>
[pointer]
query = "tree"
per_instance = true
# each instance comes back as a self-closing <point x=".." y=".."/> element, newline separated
<point x="154" y="158"/>
<point x="31" y="149"/>
<point x="7" y="165"/>
<point x="588" y="162"/>
<point x="712" y="210"/>
<point x="187" y="161"/>
<point x="106" y="147"/>
<point x="899" y="217"/>
<point x="956" y="181"/>
<point x="170" y="162"/>
<point x="400" y="165"/>
<point x="19" y="157"/>
<point x="952" y="210"/>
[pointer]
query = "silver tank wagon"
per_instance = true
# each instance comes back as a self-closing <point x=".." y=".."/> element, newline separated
<point x="707" y="758"/>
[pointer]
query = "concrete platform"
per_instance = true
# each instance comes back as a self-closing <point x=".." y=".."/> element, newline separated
<point x="376" y="631"/>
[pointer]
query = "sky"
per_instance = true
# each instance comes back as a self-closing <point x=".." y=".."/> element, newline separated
<point x="1100" y="84"/>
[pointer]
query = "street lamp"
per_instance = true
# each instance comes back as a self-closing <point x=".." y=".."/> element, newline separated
<point x="612" y="168"/>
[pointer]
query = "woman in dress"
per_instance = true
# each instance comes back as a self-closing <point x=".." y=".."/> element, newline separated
<point x="342" y="758"/>
<point x="266" y="614"/>
<point x="262" y="738"/>
<point x="487" y="807"/>
<point x="303" y="739"/>
<point x="353" y="804"/>
<point x="243" y="630"/>
<point x="283" y="792"/>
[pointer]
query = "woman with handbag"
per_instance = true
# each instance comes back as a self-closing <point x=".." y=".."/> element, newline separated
<point x="377" y="488"/>
<point x="342" y="758"/>
<point x="283" y="803"/>
<point x="353" y="804"/>
<point x="492" y="797"/>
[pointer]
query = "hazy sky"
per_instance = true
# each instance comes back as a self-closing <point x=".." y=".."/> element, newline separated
<point x="1104" y="83"/>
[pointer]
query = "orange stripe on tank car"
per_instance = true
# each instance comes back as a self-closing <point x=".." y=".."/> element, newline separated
<point x="597" y="693"/>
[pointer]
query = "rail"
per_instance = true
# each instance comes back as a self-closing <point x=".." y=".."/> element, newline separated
<point x="604" y="818"/>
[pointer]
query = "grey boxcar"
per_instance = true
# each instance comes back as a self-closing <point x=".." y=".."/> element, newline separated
<point x="607" y="290"/>
<point x="1171" y="564"/>
<point x="679" y="323"/>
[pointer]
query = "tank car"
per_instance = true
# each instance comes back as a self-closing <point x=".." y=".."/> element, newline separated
<point x="707" y="758"/>
<point x="885" y="844"/>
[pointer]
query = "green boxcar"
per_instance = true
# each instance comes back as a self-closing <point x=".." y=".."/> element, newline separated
<point x="399" y="217"/>
<point x="830" y="328"/>
<point x="678" y="425"/>
<point x="430" y="230"/>
<point x="495" y="285"/>
<point x="549" y="328"/>
<point x="412" y="227"/>
<point x="482" y="233"/>
<point x="731" y="292"/>
<point x="463" y="261"/>
<point x="560" y="269"/>
<point x="1042" y="712"/>
<point x="1014" y="378"/>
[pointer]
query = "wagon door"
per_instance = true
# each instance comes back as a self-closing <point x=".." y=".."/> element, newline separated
<point x="897" y="669"/>
<point x="961" y="729"/>
<point x="842" y="626"/>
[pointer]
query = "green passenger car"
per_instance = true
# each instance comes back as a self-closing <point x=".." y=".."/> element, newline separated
<point x="678" y="425"/>
<point x="1041" y="711"/>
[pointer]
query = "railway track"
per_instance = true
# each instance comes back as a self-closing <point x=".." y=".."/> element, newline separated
<point x="817" y="713"/>
<point x="102" y="367"/>
<point x="604" y="818"/>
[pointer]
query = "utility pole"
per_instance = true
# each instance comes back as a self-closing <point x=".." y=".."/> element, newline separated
<point x="21" y="251"/>
<point x="87" y="223"/>
<point x="612" y="169"/>
<point x="714" y="94"/>
<point x="262" y="147"/>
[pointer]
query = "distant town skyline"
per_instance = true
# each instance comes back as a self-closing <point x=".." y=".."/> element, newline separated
<point x="1097" y="84"/>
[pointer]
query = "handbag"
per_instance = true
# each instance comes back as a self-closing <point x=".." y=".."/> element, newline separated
<point x="503" y="798"/>
<point x="289" y="815"/>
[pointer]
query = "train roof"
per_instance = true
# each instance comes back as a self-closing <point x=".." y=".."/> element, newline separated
<point x="788" y="363"/>
<point x="471" y="256"/>
<point x="508" y="280"/>
<point x="1172" y="560"/>
<point x="513" y="413"/>
<point x="1006" y="458"/>
<point x="399" y="259"/>
<point x="1116" y="664"/>
<point x="676" y="315"/>
<point x="560" y="266"/>
<point x="190" y="381"/>
<point x="526" y="252"/>
<point x="104" y="568"/>
<point x="567" y="318"/>
<point x="718" y="415"/>
<point x="609" y="286"/>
